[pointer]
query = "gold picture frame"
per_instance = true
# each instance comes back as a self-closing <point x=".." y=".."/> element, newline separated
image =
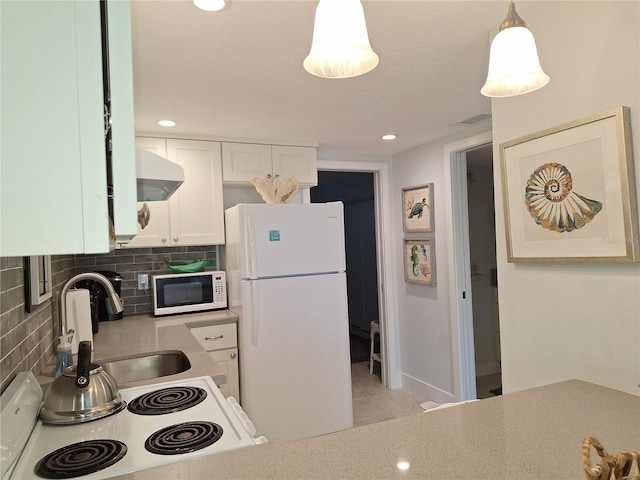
<point x="419" y="264"/>
<point x="569" y="192"/>
<point x="417" y="208"/>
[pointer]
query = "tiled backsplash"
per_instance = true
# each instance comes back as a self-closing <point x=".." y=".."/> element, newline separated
<point x="27" y="340"/>
<point x="133" y="261"/>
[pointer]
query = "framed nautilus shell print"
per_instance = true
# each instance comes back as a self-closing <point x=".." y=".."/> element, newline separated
<point x="569" y="192"/>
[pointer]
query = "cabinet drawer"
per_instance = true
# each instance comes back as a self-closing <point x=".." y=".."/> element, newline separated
<point x="216" y="337"/>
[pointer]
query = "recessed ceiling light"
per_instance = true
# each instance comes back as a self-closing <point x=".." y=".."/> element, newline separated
<point x="211" y="5"/>
<point x="167" y="123"/>
<point x="389" y="136"/>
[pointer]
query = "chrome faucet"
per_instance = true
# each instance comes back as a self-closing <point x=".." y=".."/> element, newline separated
<point x="115" y="301"/>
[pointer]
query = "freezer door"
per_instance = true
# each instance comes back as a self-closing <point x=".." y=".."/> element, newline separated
<point x="289" y="239"/>
<point x="295" y="369"/>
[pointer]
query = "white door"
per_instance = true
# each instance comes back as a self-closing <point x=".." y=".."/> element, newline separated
<point x="295" y="370"/>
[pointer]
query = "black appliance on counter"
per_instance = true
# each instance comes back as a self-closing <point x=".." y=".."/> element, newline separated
<point x="100" y="309"/>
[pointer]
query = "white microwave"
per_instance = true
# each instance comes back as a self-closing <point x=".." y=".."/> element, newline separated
<point x="189" y="292"/>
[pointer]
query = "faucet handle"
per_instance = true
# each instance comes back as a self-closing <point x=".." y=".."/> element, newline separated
<point x="70" y="334"/>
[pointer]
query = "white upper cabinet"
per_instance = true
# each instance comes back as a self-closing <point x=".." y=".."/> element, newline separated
<point x="123" y="164"/>
<point x="194" y="214"/>
<point x="53" y="169"/>
<point x="243" y="161"/>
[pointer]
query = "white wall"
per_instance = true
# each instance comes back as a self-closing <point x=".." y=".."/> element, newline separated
<point x="562" y="321"/>
<point x="557" y="321"/>
<point x="424" y="311"/>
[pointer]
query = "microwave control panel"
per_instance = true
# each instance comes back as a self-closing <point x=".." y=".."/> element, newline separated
<point x="219" y="289"/>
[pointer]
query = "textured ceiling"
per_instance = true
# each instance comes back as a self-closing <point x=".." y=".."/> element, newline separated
<point x="237" y="74"/>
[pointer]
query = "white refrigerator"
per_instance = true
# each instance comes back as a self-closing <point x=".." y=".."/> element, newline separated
<point x="286" y="273"/>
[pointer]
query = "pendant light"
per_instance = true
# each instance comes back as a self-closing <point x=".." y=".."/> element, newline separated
<point x="340" y="46"/>
<point x="211" y="5"/>
<point x="514" y="68"/>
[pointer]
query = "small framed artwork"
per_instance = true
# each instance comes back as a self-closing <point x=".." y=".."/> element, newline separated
<point x="419" y="261"/>
<point x="37" y="275"/>
<point x="569" y="192"/>
<point x="417" y="208"/>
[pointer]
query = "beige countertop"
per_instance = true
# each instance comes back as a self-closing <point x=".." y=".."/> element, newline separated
<point x="534" y="434"/>
<point x="144" y="333"/>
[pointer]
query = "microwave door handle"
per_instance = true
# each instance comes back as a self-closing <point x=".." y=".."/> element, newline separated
<point x="254" y="313"/>
<point x="252" y="247"/>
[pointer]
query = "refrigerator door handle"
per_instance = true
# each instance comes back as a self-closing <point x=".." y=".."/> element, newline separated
<point x="252" y="247"/>
<point x="254" y="313"/>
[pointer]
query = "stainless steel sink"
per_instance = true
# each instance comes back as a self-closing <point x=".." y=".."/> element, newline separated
<point x="144" y="366"/>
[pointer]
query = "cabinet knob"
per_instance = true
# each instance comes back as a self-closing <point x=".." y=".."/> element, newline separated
<point x="233" y="354"/>
<point x="164" y="240"/>
<point x="268" y="175"/>
<point x="175" y="239"/>
<point x="217" y="337"/>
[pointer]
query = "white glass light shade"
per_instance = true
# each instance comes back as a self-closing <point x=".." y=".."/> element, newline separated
<point x="210" y="5"/>
<point x="340" y="47"/>
<point x="514" y="68"/>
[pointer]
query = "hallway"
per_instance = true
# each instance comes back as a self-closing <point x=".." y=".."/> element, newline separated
<point x="373" y="402"/>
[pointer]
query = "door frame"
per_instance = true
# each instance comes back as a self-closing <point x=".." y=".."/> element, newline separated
<point x="389" y="340"/>
<point x="458" y="250"/>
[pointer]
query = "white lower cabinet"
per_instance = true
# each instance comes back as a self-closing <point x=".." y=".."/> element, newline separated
<point x="221" y="341"/>
<point x="194" y="215"/>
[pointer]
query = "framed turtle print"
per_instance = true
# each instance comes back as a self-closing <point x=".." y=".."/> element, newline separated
<point x="417" y="208"/>
<point x="418" y="261"/>
<point x="569" y="192"/>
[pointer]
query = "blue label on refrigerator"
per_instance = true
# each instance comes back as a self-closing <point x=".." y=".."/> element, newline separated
<point x="274" y="235"/>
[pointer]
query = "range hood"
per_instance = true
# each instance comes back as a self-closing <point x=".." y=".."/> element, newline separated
<point x="158" y="178"/>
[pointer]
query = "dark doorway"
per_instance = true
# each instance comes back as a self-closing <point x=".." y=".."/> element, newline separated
<point x="356" y="191"/>
<point x="484" y="277"/>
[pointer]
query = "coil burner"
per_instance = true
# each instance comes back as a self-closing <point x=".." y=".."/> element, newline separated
<point x="183" y="438"/>
<point x="81" y="458"/>
<point x="167" y="400"/>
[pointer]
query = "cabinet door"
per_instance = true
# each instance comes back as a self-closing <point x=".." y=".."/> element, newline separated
<point x="156" y="233"/>
<point x="243" y="161"/>
<point x="53" y="165"/>
<point x="196" y="209"/>
<point x="123" y="162"/>
<point x="299" y="162"/>
<point x="227" y="364"/>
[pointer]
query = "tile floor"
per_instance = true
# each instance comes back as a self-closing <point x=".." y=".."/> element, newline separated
<point x="372" y="402"/>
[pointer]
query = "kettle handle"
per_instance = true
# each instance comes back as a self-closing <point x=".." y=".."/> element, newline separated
<point x="84" y="364"/>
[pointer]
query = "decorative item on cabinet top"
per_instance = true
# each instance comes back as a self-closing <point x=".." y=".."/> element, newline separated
<point x="276" y="189"/>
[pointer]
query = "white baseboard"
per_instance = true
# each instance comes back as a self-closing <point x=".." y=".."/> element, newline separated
<point x="487" y="368"/>
<point x="425" y="390"/>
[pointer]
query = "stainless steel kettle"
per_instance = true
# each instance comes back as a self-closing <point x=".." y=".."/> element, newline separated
<point x="83" y="392"/>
